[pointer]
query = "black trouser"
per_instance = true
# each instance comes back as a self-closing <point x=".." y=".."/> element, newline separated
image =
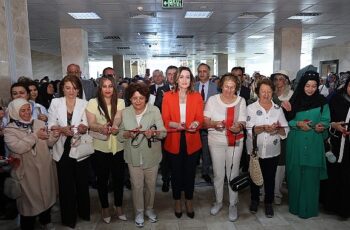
<point x="73" y="182"/>
<point x="107" y="164"/>
<point x="28" y="222"/>
<point x="165" y="166"/>
<point x="183" y="171"/>
<point x="268" y="168"/>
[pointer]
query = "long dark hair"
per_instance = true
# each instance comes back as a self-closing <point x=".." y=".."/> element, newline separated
<point x="101" y="102"/>
<point x="192" y="80"/>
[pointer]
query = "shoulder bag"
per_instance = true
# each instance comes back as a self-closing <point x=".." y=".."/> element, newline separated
<point x="254" y="165"/>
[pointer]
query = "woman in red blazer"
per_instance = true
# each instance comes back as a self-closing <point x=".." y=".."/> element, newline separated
<point x="182" y="112"/>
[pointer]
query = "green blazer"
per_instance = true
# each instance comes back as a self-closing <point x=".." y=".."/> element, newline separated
<point x="133" y="153"/>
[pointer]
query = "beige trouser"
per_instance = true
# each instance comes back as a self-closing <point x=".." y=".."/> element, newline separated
<point x="221" y="156"/>
<point x="143" y="186"/>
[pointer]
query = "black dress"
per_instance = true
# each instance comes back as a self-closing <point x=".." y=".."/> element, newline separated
<point x="336" y="189"/>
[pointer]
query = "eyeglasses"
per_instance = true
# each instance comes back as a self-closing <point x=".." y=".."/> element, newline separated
<point x="138" y="99"/>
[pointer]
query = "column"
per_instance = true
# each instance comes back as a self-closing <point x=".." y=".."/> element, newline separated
<point x="287" y="49"/>
<point x="118" y="66"/>
<point x="15" y="56"/>
<point x="222" y="64"/>
<point x="134" y="68"/>
<point x="127" y="66"/>
<point x="74" y="49"/>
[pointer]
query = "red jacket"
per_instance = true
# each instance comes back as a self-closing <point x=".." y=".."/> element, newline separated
<point x="171" y="112"/>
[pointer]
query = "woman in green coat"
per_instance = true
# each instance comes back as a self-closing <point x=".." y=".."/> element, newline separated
<point x="305" y="159"/>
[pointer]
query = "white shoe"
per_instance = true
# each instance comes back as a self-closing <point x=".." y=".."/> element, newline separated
<point x="278" y="200"/>
<point x="122" y="217"/>
<point x="139" y="219"/>
<point x="152" y="216"/>
<point x="232" y="213"/>
<point x="215" y="209"/>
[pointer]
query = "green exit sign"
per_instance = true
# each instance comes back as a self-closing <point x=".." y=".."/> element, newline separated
<point x="172" y="4"/>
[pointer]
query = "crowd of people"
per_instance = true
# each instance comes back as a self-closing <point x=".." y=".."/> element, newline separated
<point x="64" y="133"/>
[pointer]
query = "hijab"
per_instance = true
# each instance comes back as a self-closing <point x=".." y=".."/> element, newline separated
<point x="300" y="101"/>
<point x="13" y="109"/>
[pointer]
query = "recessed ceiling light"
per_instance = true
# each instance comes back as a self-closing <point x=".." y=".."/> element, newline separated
<point x="256" y="36"/>
<point x="324" y="37"/>
<point x="304" y="16"/>
<point x="259" y="53"/>
<point x="198" y="14"/>
<point x="85" y="15"/>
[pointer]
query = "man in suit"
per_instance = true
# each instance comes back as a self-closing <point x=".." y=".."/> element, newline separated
<point x="89" y="89"/>
<point x="170" y="74"/>
<point x="243" y="91"/>
<point x="158" y="80"/>
<point x="207" y="89"/>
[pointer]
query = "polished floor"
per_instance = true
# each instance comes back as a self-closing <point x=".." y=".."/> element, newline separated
<point x="203" y="198"/>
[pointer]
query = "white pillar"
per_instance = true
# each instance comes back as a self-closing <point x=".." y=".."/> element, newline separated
<point x="74" y="49"/>
<point x="15" y="56"/>
<point x="287" y="49"/>
<point x="222" y="64"/>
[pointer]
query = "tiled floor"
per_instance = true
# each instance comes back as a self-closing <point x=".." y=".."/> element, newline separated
<point x="203" y="197"/>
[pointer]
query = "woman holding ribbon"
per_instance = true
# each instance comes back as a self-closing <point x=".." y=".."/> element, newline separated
<point x="225" y="115"/>
<point x="182" y="111"/>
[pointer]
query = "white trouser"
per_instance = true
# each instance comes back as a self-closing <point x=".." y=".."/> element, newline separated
<point x="221" y="156"/>
<point x="280" y="174"/>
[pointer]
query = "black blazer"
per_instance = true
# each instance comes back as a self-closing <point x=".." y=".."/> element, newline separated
<point x="159" y="97"/>
<point x="245" y="93"/>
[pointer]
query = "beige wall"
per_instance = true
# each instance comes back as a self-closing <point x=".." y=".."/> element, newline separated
<point x="46" y="65"/>
<point x="327" y="53"/>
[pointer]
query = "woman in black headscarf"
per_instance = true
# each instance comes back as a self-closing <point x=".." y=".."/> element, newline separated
<point x="305" y="158"/>
<point x="336" y="190"/>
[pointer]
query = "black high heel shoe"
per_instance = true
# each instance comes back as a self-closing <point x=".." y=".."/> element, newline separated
<point x="189" y="214"/>
<point x="178" y="214"/>
<point x="178" y="205"/>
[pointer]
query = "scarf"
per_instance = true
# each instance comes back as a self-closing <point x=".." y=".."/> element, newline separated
<point x="300" y="101"/>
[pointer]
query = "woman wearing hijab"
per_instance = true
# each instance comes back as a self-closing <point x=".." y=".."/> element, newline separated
<point x="29" y="141"/>
<point x="305" y="158"/>
<point x="336" y="190"/>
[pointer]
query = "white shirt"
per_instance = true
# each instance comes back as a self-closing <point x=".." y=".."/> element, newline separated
<point x="268" y="145"/>
<point x="206" y="89"/>
<point x="183" y="112"/>
<point x="215" y="109"/>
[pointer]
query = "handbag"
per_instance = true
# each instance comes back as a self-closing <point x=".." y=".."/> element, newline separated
<point x="81" y="147"/>
<point x="254" y="165"/>
<point x="12" y="188"/>
<point x="240" y="182"/>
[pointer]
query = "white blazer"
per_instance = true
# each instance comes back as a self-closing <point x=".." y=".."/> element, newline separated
<point x="58" y="116"/>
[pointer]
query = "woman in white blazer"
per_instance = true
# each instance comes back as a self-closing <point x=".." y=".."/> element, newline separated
<point x="67" y="114"/>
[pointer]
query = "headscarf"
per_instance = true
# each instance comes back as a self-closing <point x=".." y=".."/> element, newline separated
<point x="14" y="107"/>
<point x="300" y="101"/>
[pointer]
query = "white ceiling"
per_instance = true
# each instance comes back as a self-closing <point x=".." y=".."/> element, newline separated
<point x="223" y="32"/>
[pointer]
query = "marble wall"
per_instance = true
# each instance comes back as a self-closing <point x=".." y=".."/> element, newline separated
<point x="327" y="53"/>
<point x="46" y="65"/>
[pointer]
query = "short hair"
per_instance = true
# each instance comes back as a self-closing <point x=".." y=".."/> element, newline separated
<point x="75" y="82"/>
<point x="238" y="68"/>
<point x="192" y="80"/>
<point x="170" y="67"/>
<point x="105" y="69"/>
<point x="203" y="64"/>
<point x="264" y="81"/>
<point x="229" y="77"/>
<point x="20" y="84"/>
<point x="140" y="87"/>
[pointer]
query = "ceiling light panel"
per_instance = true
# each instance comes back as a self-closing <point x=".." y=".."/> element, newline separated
<point x="198" y="14"/>
<point x="256" y="36"/>
<point x="324" y="37"/>
<point x="84" y="15"/>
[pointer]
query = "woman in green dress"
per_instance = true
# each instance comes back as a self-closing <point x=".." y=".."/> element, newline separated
<point x="305" y="159"/>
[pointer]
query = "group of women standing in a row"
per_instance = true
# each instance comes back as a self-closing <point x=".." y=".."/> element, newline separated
<point x="134" y="133"/>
